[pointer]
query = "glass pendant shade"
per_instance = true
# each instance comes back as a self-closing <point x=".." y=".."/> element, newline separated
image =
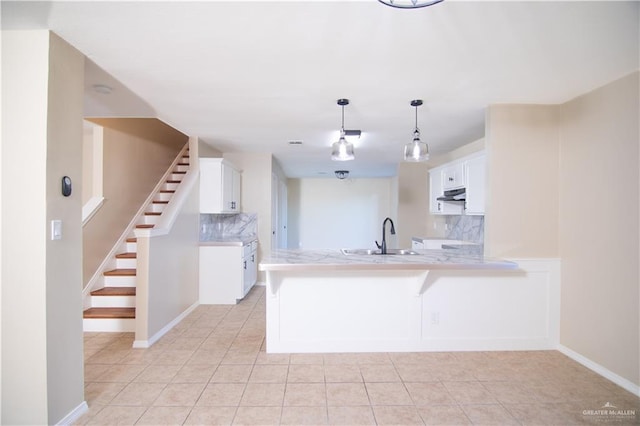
<point x="416" y="150"/>
<point x="342" y="150"/>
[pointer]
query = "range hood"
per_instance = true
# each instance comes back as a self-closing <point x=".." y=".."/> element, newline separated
<point x="454" y="195"/>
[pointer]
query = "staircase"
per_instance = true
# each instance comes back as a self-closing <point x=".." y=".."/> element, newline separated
<point x="113" y="307"/>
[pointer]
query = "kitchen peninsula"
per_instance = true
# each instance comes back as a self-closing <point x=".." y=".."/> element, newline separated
<point x="433" y="300"/>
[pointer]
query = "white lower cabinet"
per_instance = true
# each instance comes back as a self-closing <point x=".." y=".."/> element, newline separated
<point x="227" y="273"/>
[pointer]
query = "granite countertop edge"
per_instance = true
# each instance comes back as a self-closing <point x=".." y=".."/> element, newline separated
<point x="332" y="260"/>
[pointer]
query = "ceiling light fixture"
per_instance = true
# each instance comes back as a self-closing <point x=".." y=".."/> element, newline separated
<point x="342" y="150"/>
<point x="103" y="89"/>
<point x="409" y="4"/>
<point x="342" y="174"/>
<point x="416" y="150"/>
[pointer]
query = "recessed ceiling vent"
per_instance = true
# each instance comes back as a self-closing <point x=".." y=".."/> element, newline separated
<point x="295" y="142"/>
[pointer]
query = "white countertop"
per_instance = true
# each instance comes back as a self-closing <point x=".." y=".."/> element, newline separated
<point x="291" y="260"/>
<point x="230" y="241"/>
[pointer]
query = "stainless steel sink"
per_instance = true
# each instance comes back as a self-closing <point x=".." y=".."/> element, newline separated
<point x="393" y="252"/>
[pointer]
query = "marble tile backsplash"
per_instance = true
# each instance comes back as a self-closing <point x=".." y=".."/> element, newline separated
<point x="216" y="226"/>
<point x="467" y="228"/>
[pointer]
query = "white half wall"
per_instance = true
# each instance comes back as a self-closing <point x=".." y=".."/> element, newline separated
<point x="400" y="310"/>
<point x="168" y="274"/>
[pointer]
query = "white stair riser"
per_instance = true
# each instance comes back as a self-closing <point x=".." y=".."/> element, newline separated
<point x="176" y="176"/>
<point x="109" y="324"/>
<point x="163" y="196"/>
<point x="127" y="281"/>
<point x="151" y="220"/>
<point x="113" y="301"/>
<point x="126" y="263"/>
<point x="182" y="169"/>
<point x="132" y="247"/>
<point x="170" y="186"/>
<point x="158" y="208"/>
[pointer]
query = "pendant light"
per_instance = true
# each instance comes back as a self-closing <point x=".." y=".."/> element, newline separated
<point x="342" y="150"/>
<point x="416" y="150"/>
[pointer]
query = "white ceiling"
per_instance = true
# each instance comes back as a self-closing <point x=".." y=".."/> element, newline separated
<point x="252" y="76"/>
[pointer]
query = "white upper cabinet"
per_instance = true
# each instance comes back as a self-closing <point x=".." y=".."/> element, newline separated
<point x="453" y="176"/>
<point x="219" y="186"/>
<point x="475" y="184"/>
<point x="467" y="173"/>
<point x="436" y="190"/>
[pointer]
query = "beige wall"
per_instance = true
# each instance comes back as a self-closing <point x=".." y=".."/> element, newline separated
<point x="136" y="153"/>
<point x="413" y="202"/>
<point x="522" y="151"/>
<point x="207" y="151"/>
<point x="599" y="226"/>
<point x="42" y="343"/>
<point x="564" y="181"/>
<point x="173" y="267"/>
<point x="87" y="162"/>
<point x="256" y="193"/>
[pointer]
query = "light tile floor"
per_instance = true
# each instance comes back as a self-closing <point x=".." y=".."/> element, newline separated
<point x="212" y="369"/>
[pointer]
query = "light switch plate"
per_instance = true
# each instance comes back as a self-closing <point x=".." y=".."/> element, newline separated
<point x="56" y="229"/>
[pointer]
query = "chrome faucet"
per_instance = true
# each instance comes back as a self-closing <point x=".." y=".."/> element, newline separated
<point x="383" y="246"/>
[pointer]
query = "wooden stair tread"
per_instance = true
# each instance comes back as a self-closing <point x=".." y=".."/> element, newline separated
<point x="167" y="191"/>
<point x="179" y="173"/>
<point x="126" y="255"/>
<point x="110" y="313"/>
<point x="152" y="213"/>
<point x="160" y="202"/>
<point x="183" y="164"/>
<point x="115" y="291"/>
<point x="144" y="226"/>
<point x="132" y="240"/>
<point x="173" y="181"/>
<point x="121" y="273"/>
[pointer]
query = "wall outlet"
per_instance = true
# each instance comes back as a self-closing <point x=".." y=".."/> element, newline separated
<point x="435" y="318"/>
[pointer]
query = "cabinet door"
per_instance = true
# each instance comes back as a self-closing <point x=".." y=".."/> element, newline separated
<point x="235" y="192"/>
<point x="475" y="182"/>
<point x="227" y="188"/>
<point x="453" y="176"/>
<point x="211" y="185"/>
<point x="436" y="190"/>
<point x="249" y="272"/>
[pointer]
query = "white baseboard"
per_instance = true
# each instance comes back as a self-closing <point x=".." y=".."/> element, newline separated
<point x="604" y="372"/>
<point x="75" y="414"/>
<point x="143" y="344"/>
